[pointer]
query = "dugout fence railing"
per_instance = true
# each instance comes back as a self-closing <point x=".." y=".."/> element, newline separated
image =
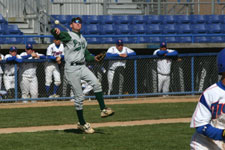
<point x="190" y="75"/>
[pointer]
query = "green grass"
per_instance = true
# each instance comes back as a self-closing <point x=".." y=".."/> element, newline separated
<point x="147" y="137"/>
<point x="40" y="116"/>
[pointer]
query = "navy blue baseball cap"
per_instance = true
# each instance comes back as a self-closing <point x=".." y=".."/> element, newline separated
<point x="163" y="44"/>
<point x="29" y="46"/>
<point x="13" y="48"/>
<point x="119" y="42"/>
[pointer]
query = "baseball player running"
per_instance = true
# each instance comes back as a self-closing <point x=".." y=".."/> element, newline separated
<point x="55" y="52"/>
<point x="9" y="74"/>
<point x="164" y="66"/>
<point x="75" y="70"/>
<point x="209" y="116"/>
<point x="29" y="82"/>
<point x="117" y="51"/>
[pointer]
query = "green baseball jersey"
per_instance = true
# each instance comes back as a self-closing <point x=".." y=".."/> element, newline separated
<point x="75" y="48"/>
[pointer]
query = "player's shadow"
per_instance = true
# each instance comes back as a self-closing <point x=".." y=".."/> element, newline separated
<point x="77" y="131"/>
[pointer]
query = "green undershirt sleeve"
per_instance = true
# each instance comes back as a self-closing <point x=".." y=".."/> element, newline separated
<point x="63" y="36"/>
<point x="88" y="56"/>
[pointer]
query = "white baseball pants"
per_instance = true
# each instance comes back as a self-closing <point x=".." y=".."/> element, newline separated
<point x="50" y="71"/>
<point x="9" y="82"/>
<point x="163" y="83"/>
<point x="29" y="85"/>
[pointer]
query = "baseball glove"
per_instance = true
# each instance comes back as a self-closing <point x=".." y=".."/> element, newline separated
<point x="100" y="56"/>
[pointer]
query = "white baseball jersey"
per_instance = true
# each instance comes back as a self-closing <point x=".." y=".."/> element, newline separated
<point x="10" y="68"/>
<point x="3" y="58"/>
<point x="1" y="71"/>
<point x="28" y="69"/>
<point x="164" y="65"/>
<point x="52" y="68"/>
<point x="116" y="63"/>
<point x="52" y="50"/>
<point x="210" y="110"/>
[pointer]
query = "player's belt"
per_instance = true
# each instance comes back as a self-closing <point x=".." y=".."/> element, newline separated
<point x="164" y="74"/>
<point x="76" y="63"/>
<point x="9" y="74"/>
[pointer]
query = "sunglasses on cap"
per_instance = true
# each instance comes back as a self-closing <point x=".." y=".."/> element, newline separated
<point x="77" y="21"/>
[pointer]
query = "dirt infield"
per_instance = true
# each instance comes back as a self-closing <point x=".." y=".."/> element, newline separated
<point x="175" y="99"/>
<point x="96" y="125"/>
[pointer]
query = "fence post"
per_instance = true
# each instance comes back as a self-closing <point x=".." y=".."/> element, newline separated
<point x="16" y="85"/>
<point x="192" y="75"/>
<point x="135" y="77"/>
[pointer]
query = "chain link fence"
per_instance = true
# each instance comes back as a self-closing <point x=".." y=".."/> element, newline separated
<point x="190" y="74"/>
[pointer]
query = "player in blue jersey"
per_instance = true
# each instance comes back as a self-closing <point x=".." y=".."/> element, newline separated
<point x="209" y="116"/>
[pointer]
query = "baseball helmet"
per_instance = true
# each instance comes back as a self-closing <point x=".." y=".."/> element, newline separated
<point x="221" y="61"/>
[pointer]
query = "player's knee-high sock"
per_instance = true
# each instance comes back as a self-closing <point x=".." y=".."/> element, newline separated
<point x="80" y="117"/>
<point x="55" y="89"/>
<point x="99" y="97"/>
<point x="47" y="89"/>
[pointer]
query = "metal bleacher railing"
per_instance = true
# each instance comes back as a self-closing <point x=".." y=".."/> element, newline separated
<point x="190" y="75"/>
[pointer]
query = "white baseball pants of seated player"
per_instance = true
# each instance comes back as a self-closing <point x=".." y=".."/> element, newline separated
<point x="29" y="87"/>
<point x="110" y="76"/>
<point x="81" y="72"/>
<point x="50" y="70"/>
<point x="0" y="81"/>
<point x="163" y="83"/>
<point x="9" y="82"/>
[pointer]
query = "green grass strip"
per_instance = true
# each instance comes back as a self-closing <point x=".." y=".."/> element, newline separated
<point x="41" y="116"/>
<point x="147" y="137"/>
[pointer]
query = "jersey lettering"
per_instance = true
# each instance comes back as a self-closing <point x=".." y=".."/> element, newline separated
<point x="78" y="45"/>
<point x="217" y="109"/>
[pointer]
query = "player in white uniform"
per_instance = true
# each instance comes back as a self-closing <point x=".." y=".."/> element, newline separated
<point x="117" y="51"/>
<point x="29" y="82"/>
<point x="55" y="52"/>
<point x="164" y="66"/>
<point x="209" y="116"/>
<point x="1" y="70"/>
<point x="9" y="74"/>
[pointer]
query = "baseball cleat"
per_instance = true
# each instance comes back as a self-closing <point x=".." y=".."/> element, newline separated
<point x="53" y="96"/>
<point x="85" y="128"/>
<point x="107" y="112"/>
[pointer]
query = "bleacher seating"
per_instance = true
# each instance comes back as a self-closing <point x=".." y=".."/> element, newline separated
<point x="169" y="29"/>
<point x="13" y="29"/>
<point x="215" y="28"/>
<point x="199" y="28"/>
<point x="123" y="29"/>
<point x="13" y="40"/>
<point x="125" y="19"/>
<point x="184" y="39"/>
<point x="107" y="19"/>
<point x="212" y="19"/>
<point x="138" y="28"/>
<point x="138" y="19"/>
<point x="198" y="19"/>
<point x="184" y="29"/>
<point x="183" y="19"/>
<point x="168" y="19"/>
<point x="201" y="39"/>
<point x="107" y="29"/>
<point x="153" y="19"/>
